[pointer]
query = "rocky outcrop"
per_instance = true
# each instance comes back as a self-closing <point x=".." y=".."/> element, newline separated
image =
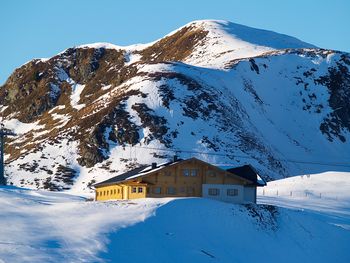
<point x="337" y="80"/>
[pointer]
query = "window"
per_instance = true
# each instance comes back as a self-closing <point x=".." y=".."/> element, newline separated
<point x="171" y="190"/>
<point x="157" y="190"/>
<point x="211" y="173"/>
<point x="213" y="191"/>
<point x="115" y="191"/>
<point x="140" y="190"/>
<point x="194" y="172"/>
<point x="96" y="194"/>
<point x="133" y="189"/>
<point x="232" y="192"/>
<point x="186" y="172"/>
<point x="118" y="191"/>
<point x="167" y="173"/>
<point x="104" y="192"/>
<point x="147" y="190"/>
<point x="107" y="192"/>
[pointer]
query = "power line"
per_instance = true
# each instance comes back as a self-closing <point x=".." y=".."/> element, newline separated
<point x="241" y="156"/>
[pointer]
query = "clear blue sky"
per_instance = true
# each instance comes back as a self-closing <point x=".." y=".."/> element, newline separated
<point x="41" y="28"/>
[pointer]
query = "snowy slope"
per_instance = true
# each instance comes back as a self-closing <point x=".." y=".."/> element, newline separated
<point x="222" y="92"/>
<point x="326" y="192"/>
<point x="206" y="231"/>
<point x="40" y="226"/>
<point x="48" y="227"/>
<point x="227" y="41"/>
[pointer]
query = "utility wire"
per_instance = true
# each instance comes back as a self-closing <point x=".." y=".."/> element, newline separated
<point x="241" y="156"/>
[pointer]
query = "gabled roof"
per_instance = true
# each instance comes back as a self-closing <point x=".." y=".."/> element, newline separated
<point x="137" y="172"/>
<point x="248" y="172"/>
<point x="121" y="177"/>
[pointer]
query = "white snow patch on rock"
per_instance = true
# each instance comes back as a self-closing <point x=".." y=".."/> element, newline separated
<point x="77" y="89"/>
<point x="21" y="127"/>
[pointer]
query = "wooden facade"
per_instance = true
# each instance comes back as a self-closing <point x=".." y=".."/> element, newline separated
<point x="184" y="178"/>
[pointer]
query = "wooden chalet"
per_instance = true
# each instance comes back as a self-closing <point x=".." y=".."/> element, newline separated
<point x="183" y="178"/>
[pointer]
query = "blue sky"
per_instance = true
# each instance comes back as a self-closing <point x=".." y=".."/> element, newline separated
<point x="41" y="28"/>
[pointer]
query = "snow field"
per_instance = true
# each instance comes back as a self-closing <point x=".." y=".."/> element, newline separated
<point x="44" y="226"/>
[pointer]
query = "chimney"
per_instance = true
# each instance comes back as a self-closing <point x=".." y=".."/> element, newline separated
<point x="154" y="165"/>
<point x="175" y="158"/>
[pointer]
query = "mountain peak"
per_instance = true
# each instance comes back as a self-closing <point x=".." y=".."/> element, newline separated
<point x="255" y="36"/>
<point x="213" y="43"/>
<point x="226" y="41"/>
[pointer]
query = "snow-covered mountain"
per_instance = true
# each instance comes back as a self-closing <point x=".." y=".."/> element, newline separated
<point x="222" y="92"/>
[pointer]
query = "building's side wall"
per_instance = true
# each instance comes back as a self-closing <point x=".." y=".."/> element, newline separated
<point x="220" y="192"/>
<point x="120" y="191"/>
<point x="109" y="192"/>
<point x="250" y="194"/>
<point x="171" y="180"/>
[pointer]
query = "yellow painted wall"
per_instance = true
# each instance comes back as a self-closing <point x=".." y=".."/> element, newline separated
<point x="120" y="191"/>
<point x="137" y="194"/>
<point x="109" y="192"/>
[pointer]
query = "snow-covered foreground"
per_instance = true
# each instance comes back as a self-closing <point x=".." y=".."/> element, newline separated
<point x="200" y="230"/>
<point x="39" y="226"/>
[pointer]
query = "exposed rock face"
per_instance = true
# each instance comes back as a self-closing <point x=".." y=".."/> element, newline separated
<point x="337" y="81"/>
<point x="176" y="47"/>
<point x="93" y="111"/>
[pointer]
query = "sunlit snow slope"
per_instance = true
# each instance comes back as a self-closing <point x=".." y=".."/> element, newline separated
<point x="326" y="192"/>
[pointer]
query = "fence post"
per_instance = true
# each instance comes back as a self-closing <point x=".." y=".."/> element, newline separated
<point x="291" y="193"/>
<point x="277" y="192"/>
